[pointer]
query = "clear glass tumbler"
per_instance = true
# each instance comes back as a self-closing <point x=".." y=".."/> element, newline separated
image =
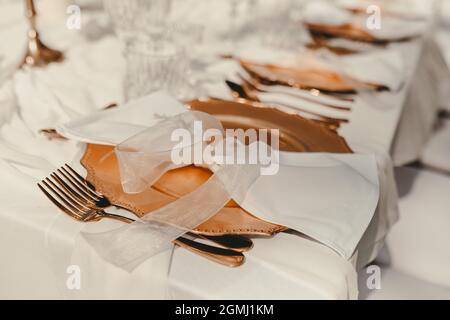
<point x="151" y="68"/>
<point x="138" y="16"/>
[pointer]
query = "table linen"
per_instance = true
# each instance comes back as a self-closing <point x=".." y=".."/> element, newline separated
<point x="34" y="163"/>
<point x="35" y="99"/>
<point x="436" y="153"/>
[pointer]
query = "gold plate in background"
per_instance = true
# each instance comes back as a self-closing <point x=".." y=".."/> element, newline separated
<point x="297" y="134"/>
<point x="351" y="32"/>
<point x="307" y="78"/>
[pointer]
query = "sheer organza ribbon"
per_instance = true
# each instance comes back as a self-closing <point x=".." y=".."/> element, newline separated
<point x="143" y="159"/>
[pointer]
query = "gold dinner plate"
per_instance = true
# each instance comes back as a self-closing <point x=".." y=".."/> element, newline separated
<point x="349" y="31"/>
<point x="307" y="78"/>
<point x="296" y="134"/>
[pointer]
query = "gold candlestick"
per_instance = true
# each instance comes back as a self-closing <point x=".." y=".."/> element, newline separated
<point x="38" y="54"/>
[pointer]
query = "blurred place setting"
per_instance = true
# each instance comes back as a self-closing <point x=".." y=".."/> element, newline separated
<point x="225" y="149"/>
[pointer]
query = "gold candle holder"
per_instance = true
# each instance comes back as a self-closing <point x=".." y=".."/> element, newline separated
<point x="38" y="54"/>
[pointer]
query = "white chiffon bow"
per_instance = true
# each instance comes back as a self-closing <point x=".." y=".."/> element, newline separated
<point x="143" y="159"/>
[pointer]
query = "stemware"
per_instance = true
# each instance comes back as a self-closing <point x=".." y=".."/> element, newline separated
<point x="279" y="28"/>
<point x="38" y="54"/>
<point x="78" y="199"/>
<point x="150" y="69"/>
<point x="138" y="16"/>
<point x="151" y="62"/>
<point x="233" y="18"/>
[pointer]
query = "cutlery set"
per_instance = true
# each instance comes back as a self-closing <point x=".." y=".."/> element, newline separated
<point x="77" y="198"/>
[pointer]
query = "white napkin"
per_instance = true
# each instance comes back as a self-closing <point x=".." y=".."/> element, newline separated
<point x="113" y="126"/>
<point x="378" y="66"/>
<point x="348" y="182"/>
<point x="325" y="12"/>
<point x="386" y="67"/>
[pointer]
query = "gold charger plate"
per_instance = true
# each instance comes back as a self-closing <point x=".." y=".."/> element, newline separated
<point x="349" y="31"/>
<point x="296" y="134"/>
<point x="307" y="78"/>
<point x="319" y="43"/>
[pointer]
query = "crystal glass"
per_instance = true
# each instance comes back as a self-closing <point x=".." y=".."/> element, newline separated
<point x="150" y="69"/>
<point x="123" y="14"/>
<point x="138" y="16"/>
<point x="151" y="63"/>
<point x="239" y="18"/>
<point x="280" y="27"/>
<point x="190" y="37"/>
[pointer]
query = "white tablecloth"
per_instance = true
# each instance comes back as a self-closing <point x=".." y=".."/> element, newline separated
<point x="34" y="99"/>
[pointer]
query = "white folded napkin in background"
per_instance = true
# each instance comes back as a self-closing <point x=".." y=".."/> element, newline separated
<point x="384" y="67"/>
<point x="327" y="13"/>
<point x="113" y="126"/>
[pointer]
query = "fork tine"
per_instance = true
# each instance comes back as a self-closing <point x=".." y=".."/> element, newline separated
<point x="85" y="213"/>
<point x="78" y="192"/>
<point x="81" y="186"/>
<point x="83" y="180"/>
<point x="66" y="198"/>
<point x="75" y="192"/>
<point x="66" y="210"/>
